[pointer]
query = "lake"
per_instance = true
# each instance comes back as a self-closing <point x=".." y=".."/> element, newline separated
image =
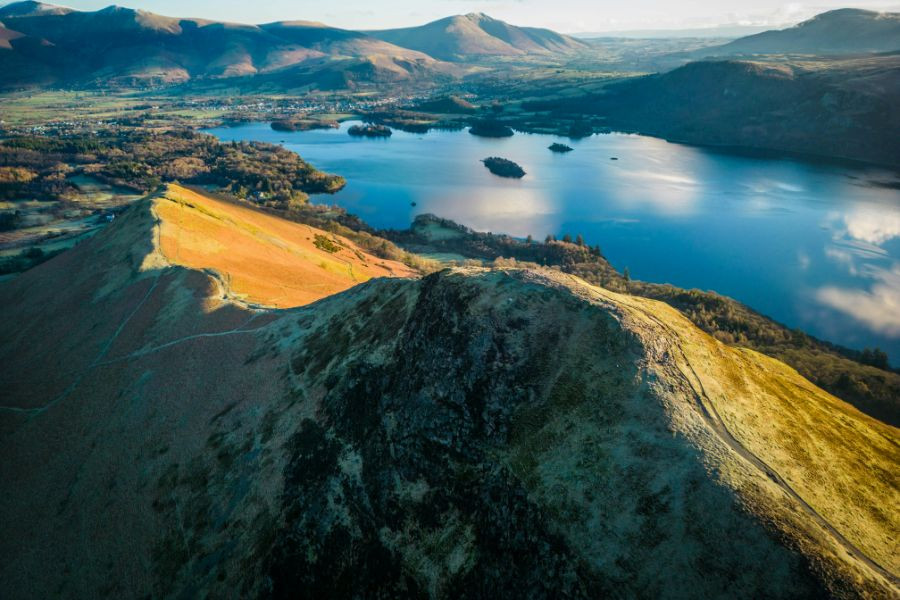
<point x="813" y="245"/>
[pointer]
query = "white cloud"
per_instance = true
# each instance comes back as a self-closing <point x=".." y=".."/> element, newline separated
<point x="843" y="256"/>
<point x="858" y="236"/>
<point x="878" y="308"/>
<point x="875" y="226"/>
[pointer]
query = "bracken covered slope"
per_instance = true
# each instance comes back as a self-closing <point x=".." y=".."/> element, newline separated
<point x="470" y="434"/>
<point x="265" y="259"/>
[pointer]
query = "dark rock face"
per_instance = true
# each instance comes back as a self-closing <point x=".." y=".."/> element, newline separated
<point x="424" y="474"/>
<point x="316" y="557"/>
<point x="429" y="422"/>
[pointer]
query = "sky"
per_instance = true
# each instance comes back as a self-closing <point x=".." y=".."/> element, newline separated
<point x="568" y="16"/>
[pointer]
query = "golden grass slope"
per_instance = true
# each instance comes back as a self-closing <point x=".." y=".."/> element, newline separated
<point x="825" y="473"/>
<point x="264" y="260"/>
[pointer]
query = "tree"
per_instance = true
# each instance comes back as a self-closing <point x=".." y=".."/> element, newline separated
<point x="875" y="357"/>
<point x="626" y="274"/>
<point x="549" y="239"/>
<point x="567" y="238"/>
<point x="529" y="239"/>
<point x="9" y="220"/>
<point x="579" y="239"/>
<point x="34" y="253"/>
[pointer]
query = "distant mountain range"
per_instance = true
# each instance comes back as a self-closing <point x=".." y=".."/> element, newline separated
<point x="46" y="45"/>
<point x="53" y="45"/>
<point x="843" y="31"/>
<point x="476" y="34"/>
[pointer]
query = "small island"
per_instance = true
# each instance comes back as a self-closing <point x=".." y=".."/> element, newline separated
<point x="370" y="130"/>
<point x="490" y="129"/>
<point x="503" y="167"/>
<point x="560" y="148"/>
<point x="580" y="129"/>
<point x="302" y="124"/>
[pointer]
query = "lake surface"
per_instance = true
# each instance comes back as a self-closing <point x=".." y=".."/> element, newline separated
<point x="815" y="246"/>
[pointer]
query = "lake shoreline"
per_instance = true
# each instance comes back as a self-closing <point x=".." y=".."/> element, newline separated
<point x="746" y="224"/>
<point x="763" y="152"/>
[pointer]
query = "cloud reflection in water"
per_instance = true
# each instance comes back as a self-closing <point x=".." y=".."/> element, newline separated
<point x="858" y="240"/>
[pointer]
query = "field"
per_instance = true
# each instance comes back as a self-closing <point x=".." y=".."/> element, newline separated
<point x="39" y="107"/>
<point x="45" y="228"/>
<point x="53" y="108"/>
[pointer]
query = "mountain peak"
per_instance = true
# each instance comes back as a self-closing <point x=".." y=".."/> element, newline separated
<point x="298" y="23"/>
<point x="843" y="12"/>
<point x="478" y="34"/>
<point x="115" y="8"/>
<point x="842" y="31"/>
<point x="30" y="8"/>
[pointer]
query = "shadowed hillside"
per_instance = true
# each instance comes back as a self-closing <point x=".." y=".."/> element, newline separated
<point x="496" y="433"/>
<point x="841" y="108"/>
